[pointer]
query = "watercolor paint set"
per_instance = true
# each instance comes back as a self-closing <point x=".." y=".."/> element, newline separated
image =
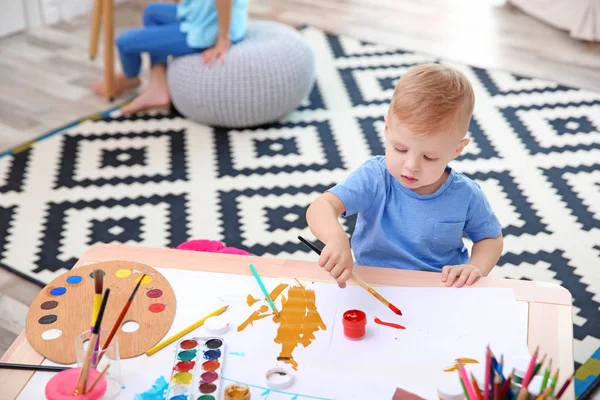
<point x="197" y="369"/>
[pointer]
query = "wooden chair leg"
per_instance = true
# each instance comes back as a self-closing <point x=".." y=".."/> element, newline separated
<point x="95" y="29"/>
<point x="109" y="34"/>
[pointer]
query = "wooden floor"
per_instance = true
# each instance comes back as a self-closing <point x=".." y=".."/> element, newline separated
<point x="45" y="75"/>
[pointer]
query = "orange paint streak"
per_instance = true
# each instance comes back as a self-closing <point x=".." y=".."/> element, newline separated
<point x="463" y="360"/>
<point x="277" y="291"/>
<point x="251" y="300"/>
<point x="380" y="322"/>
<point x="255" y="316"/>
<point x="298" y="320"/>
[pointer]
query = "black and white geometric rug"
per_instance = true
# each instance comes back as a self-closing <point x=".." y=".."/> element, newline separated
<point x="159" y="180"/>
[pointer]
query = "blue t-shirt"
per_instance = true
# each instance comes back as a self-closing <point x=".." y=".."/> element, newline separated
<point x="398" y="228"/>
<point x="199" y="21"/>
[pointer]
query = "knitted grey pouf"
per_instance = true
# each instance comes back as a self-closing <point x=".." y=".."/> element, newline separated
<point x="264" y="77"/>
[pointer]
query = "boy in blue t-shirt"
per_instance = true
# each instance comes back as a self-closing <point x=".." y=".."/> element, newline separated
<point x="412" y="208"/>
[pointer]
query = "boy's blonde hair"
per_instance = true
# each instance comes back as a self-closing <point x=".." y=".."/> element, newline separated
<point x="431" y="97"/>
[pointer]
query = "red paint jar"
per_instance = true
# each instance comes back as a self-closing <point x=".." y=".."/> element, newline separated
<point x="355" y="322"/>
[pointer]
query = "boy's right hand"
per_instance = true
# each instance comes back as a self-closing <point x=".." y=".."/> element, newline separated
<point x="336" y="258"/>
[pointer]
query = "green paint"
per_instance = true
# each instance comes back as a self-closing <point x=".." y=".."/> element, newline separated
<point x="206" y="397"/>
<point x="187" y="355"/>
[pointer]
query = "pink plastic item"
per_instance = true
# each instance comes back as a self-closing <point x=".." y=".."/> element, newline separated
<point x="210" y="246"/>
<point x="62" y="385"/>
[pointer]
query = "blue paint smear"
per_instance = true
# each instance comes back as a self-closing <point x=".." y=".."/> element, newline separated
<point x="59" y="291"/>
<point x="180" y="397"/>
<point x="212" y="354"/>
<point x="74" y="279"/>
<point x="233" y="353"/>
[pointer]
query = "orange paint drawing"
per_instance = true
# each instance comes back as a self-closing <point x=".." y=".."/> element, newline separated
<point x="251" y="300"/>
<point x="255" y="316"/>
<point x="463" y="360"/>
<point x="298" y="320"/>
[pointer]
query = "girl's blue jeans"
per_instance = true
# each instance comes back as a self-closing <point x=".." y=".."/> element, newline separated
<point x="160" y="37"/>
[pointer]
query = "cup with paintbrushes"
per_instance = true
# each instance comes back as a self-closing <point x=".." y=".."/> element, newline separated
<point x="83" y="382"/>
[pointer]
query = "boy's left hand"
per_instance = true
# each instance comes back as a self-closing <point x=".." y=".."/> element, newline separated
<point x="465" y="273"/>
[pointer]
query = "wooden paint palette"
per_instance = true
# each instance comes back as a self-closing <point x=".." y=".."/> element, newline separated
<point x="63" y="310"/>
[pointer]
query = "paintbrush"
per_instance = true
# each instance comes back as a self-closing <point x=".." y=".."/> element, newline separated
<point x="357" y="280"/>
<point x="98" y="378"/>
<point x="120" y="318"/>
<point x="98" y="287"/>
<point x="263" y="289"/>
<point x="85" y="367"/>
<point x="30" y="367"/>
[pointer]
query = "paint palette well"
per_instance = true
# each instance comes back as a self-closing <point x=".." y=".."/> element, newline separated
<point x="63" y="310"/>
<point x="197" y="369"/>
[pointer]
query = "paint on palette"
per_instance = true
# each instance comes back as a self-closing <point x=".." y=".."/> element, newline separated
<point x="48" y="319"/>
<point x="101" y="272"/>
<point x="58" y="291"/>
<point x="298" y="319"/>
<point x="463" y="360"/>
<point x="74" y="279"/>
<point x="390" y="324"/>
<point x="193" y="382"/>
<point x="156" y="307"/>
<point x="154" y="293"/>
<point x="123" y="273"/>
<point x="49" y="305"/>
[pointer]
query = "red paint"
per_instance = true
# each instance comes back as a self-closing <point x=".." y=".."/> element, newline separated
<point x="154" y="293"/>
<point x="156" y="307"/>
<point x="354" y="322"/>
<point x="184" y="366"/>
<point x="395" y="309"/>
<point x="188" y="344"/>
<point x="211" y="366"/>
<point x="380" y="322"/>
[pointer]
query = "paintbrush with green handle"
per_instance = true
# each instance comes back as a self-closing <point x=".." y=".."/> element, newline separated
<point x="264" y="289"/>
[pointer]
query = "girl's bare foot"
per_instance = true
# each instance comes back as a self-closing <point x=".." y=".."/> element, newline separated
<point x="157" y="94"/>
<point x="122" y="84"/>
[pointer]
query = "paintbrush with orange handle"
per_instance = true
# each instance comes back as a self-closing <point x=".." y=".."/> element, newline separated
<point x="357" y="280"/>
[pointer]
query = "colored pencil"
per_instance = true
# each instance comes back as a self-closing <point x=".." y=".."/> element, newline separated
<point x="464" y="388"/>
<point x="476" y="387"/>
<point x="546" y="376"/>
<point x="501" y="366"/>
<point x="119" y="320"/>
<point x="564" y="387"/>
<point x="357" y="280"/>
<point x="184" y="332"/>
<point x="31" y="367"/>
<point x="488" y="374"/>
<point x="497" y="387"/>
<point x="463" y="374"/>
<point x="98" y="378"/>
<point x="553" y="383"/>
<point x="263" y="289"/>
<point x="81" y="386"/>
<point x="506" y="392"/>
<point x="530" y="369"/>
<point x="539" y="365"/>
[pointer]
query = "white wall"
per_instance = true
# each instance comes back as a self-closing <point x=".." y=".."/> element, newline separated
<point x="12" y="17"/>
<point x="54" y="11"/>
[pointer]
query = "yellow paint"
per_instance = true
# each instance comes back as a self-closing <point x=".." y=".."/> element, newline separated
<point x="251" y="300"/>
<point x="184" y="378"/>
<point x="590" y="368"/>
<point x="298" y="320"/>
<point x="147" y="279"/>
<point x="123" y="273"/>
<point x="463" y="360"/>
<point x="237" y="392"/>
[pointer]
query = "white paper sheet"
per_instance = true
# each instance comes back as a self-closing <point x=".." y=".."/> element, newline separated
<point x="441" y="324"/>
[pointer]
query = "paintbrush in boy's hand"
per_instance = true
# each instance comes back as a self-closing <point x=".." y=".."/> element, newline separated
<point x="357" y="280"/>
